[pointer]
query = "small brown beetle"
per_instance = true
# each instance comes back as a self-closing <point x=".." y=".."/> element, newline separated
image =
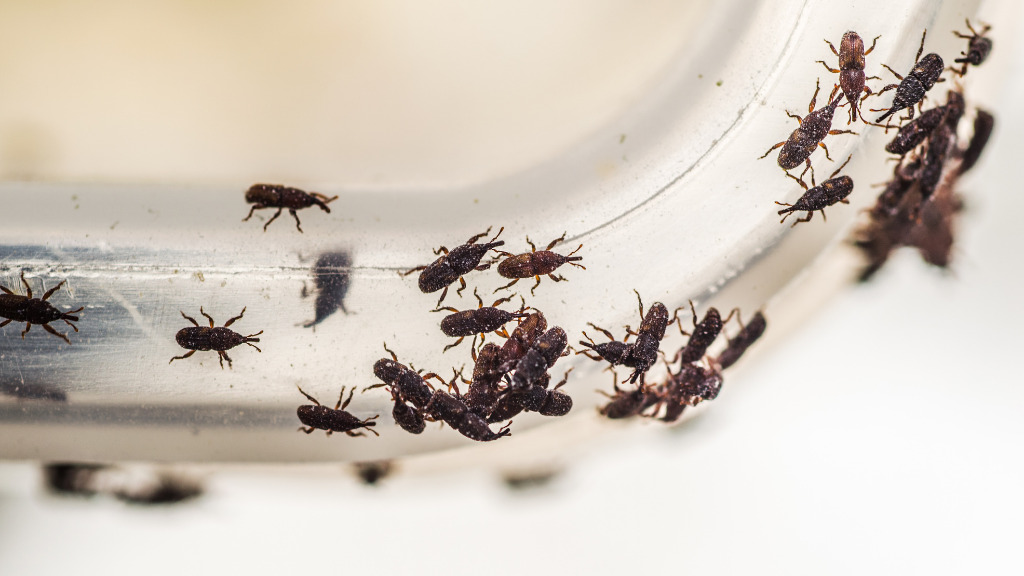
<point x="809" y="135"/>
<point x="644" y="352"/>
<point x="748" y="334"/>
<point x="851" y="55"/>
<point x="219" y="338"/>
<point x="452" y="266"/>
<point x="536" y="263"/>
<point x="17" y="308"/>
<point x="337" y="420"/>
<point x="831" y="191"/>
<point x="704" y="334"/>
<point x="912" y="89"/>
<point x="278" y="196"/>
<point x="477" y="321"/>
<point x="978" y="47"/>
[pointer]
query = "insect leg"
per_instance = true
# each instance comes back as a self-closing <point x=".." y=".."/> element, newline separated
<point x="457" y="342"/>
<point x="296" y="216"/>
<point x="28" y="326"/>
<point x="473" y="239"/>
<point x="5" y="322"/>
<point x="224" y="356"/>
<point x="189" y="318"/>
<point x="416" y="269"/>
<point x="253" y="209"/>
<point x="462" y="286"/>
<point x="310" y="398"/>
<point x="272" y="218"/>
<point x="52" y="290"/>
<point x="306" y="429"/>
<point x="772" y="148"/>
<point x="210" y="318"/>
<point x="231" y="321"/>
<point x="827" y="67"/>
<point x="28" y="288"/>
<point x="868" y="51"/>
<point x="509" y="285"/>
<point x="55" y="333"/>
<point x="825" y="148"/>
<point x="537" y="284"/>
<point x="346" y="403"/>
<point x="183" y="356"/>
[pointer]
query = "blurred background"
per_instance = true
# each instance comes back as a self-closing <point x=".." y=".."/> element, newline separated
<point x="877" y="436"/>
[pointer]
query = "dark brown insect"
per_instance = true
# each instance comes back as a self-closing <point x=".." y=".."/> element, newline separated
<point x="916" y="131"/>
<point x="933" y="231"/>
<point x="451" y="266"/>
<point x="72" y="479"/>
<point x="474" y="427"/>
<point x="851" y="55"/>
<point x="613" y="352"/>
<point x="160" y="488"/>
<point x="371" y="473"/>
<point x="219" y="338"/>
<point x="454" y="412"/>
<point x="547" y="349"/>
<point x="689" y="387"/>
<point x="644" y="352"/>
<point x="628" y="403"/>
<point x="331" y="278"/>
<point x="536" y="263"/>
<point x="522" y="338"/>
<point x="912" y="89"/>
<point x="832" y="191"/>
<point x="704" y="334"/>
<point x="409" y="418"/>
<point x="410" y="385"/>
<point x="17" y="308"/>
<point x="892" y="218"/>
<point x="748" y="334"/>
<point x="983" y="124"/>
<point x="485" y="388"/>
<point x="978" y="47"/>
<point x="533" y="398"/>
<point x="317" y="417"/>
<point x="478" y="321"/>
<point x="278" y="196"/>
<point x="809" y="135"/>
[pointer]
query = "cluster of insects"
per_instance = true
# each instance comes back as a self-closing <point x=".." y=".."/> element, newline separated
<point x="506" y="380"/>
<point x="919" y="202"/>
<point x="936" y="131"/>
<point x="699" y="376"/>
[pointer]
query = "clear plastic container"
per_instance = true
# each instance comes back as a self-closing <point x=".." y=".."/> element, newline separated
<point x="657" y="176"/>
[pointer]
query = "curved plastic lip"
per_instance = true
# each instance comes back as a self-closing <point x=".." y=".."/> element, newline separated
<point x="668" y="198"/>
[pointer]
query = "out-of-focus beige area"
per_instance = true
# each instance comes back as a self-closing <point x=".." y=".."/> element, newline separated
<point x="352" y="92"/>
